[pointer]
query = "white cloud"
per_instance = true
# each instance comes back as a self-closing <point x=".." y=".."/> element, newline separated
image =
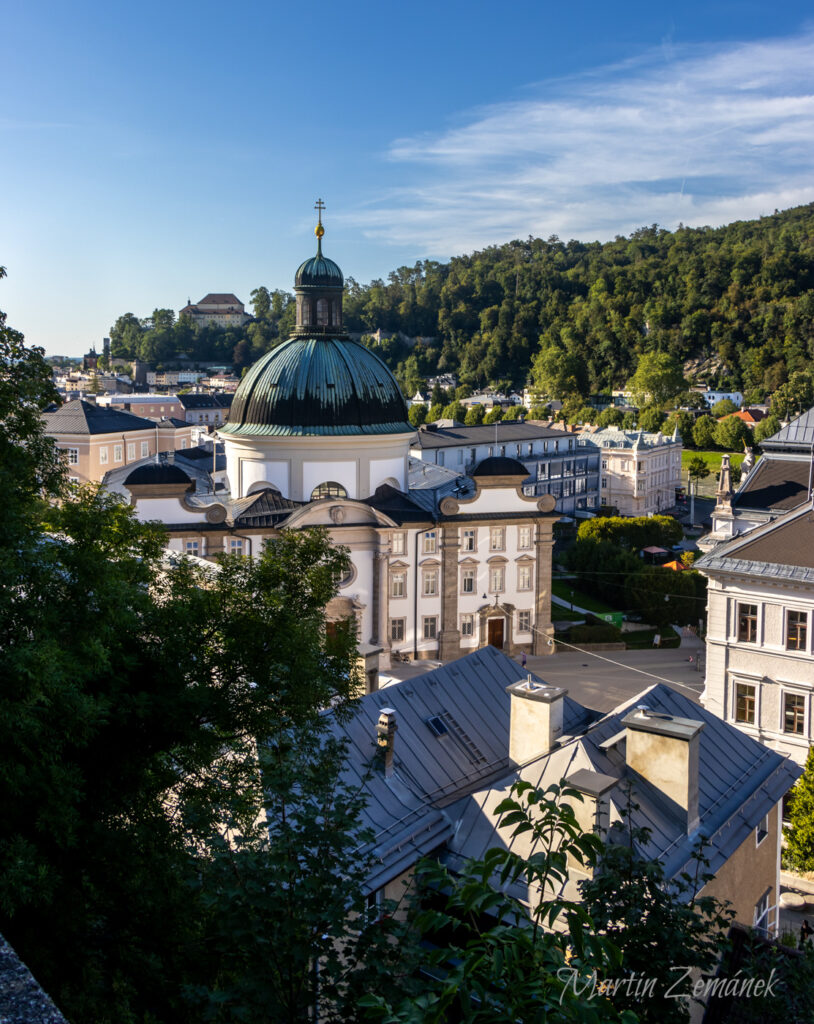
<point x="706" y="137"/>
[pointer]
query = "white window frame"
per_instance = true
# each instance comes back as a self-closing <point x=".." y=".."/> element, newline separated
<point x="131" y="450"/>
<point x="145" y="449"/>
<point x="429" y="582"/>
<point x="468" y="625"/>
<point x="118" y="453"/>
<point x="429" y="542"/>
<point x="398" y="582"/>
<point x="72" y="455"/>
<point x="469" y="539"/>
<point x="762" y="829"/>
<point x="790" y="692"/>
<point x="524" y="538"/>
<point x="469" y="574"/>
<point x="402" y="624"/>
<point x="497" y="538"/>
<point x="524" y="577"/>
<point x="524" y="617"/>
<point x="497" y="579"/>
<point x="235" y="546"/>
<point x="806" y="646"/>
<point x="192" y="547"/>
<point x="103" y="455"/>
<point x="736" y="682"/>
<point x="398" y="543"/>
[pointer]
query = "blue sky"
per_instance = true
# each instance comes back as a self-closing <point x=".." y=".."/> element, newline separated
<point x="153" y="152"/>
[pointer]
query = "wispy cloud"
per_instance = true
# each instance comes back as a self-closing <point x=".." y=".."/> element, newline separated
<point x="699" y="135"/>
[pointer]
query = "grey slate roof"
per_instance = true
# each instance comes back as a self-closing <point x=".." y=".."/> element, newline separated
<point x="264" y="508"/>
<point x="81" y="417"/>
<point x="448" y="437"/>
<point x="443" y="789"/>
<point x="194" y="400"/>
<point x="796" y="435"/>
<point x="775" y="484"/>
<point x="780" y="549"/>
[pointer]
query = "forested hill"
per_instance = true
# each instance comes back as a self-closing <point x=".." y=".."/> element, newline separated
<point x="743" y="293"/>
<point x="740" y="296"/>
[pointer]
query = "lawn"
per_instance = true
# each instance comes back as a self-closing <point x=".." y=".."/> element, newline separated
<point x="712" y="459"/>
<point x="563" y="589"/>
<point x="643" y="638"/>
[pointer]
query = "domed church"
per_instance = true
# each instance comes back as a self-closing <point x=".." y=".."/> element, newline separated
<point x="318" y="435"/>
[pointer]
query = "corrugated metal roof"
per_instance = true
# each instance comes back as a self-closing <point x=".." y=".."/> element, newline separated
<point x="798" y="434"/>
<point x="447" y="437"/>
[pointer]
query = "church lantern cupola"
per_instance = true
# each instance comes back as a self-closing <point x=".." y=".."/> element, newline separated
<point x="318" y="286"/>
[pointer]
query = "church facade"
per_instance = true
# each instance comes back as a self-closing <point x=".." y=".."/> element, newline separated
<point x="441" y="563"/>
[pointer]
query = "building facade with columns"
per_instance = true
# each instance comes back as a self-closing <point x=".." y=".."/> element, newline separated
<point x="441" y="562"/>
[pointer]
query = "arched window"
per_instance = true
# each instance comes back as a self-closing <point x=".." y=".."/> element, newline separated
<point x="330" y="489"/>
<point x="335" y="318"/>
<point x="307" y="317"/>
<point x="322" y="312"/>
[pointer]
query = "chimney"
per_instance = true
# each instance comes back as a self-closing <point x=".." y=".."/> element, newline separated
<point x="663" y="750"/>
<point x="536" y="719"/>
<point x="593" y="814"/>
<point x="385" y="738"/>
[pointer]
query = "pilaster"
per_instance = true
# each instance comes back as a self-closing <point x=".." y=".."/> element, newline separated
<point x="544" y="546"/>
<point x="449" y="640"/>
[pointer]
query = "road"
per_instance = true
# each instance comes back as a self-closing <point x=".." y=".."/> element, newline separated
<point x="603" y="679"/>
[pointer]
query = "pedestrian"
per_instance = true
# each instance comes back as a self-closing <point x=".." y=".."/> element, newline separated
<point x="806" y="931"/>
<point x="523" y="659"/>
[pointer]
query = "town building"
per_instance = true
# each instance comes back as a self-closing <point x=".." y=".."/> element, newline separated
<point x="173" y="378"/>
<point x="150" y="406"/>
<point x="553" y="459"/>
<point x="453" y="742"/>
<point x="639" y="472"/>
<point x="442" y="562"/>
<point x="713" y="397"/>
<point x="96" y="439"/>
<point x="781" y="480"/>
<point x="760" y="612"/>
<point x="209" y="409"/>
<point x="222" y="309"/>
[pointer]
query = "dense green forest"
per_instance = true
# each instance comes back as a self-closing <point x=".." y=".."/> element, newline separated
<point x="740" y="297"/>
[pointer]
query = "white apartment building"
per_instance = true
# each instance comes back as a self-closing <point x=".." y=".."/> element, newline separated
<point x="639" y="472"/>
<point x="760" y="659"/>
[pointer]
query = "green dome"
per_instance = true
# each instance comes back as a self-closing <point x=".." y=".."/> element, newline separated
<point x="319" y="272"/>
<point x="322" y="385"/>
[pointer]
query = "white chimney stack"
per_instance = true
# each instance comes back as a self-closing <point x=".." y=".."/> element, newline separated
<point x="536" y="719"/>
<point x="663" y="750"/>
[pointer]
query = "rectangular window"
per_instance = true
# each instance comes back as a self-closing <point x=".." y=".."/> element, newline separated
<point x="145" y="449"/>
<point x="794" y="705"/>
<point x="762" y="830"/>
<point x="117" y="453"/>
<point x="429" y="580"/>
<point x="747" y="623"/>
<point x="604" y="463"/>
<point x="524" y="622"/>
<point x="236" y="547"/>
<point x="131" y="451"/>
<point x="497" y="579"/>
<point x="430" y="627"/>
<point x="524" y="577"/>
<point x="604" y="482"/>
<point x="103" y="456"/>
<point x="796" y="630"/>
<point x="398" y="582"/>
<point x="529" y="449"/>
<point x="398" y="544"/>
<point x="440" y="458"/>
<point x="762" y="914"/>
<point x="468" y="581"/>
<point x="191" y="547"/>
<point x="497" y="538"/>
<point x="396" y="630"/>
<point x="467" y="540"/>
<point x="523" y="537"/>
<point x="183" y="442"/>
<point x="460" y="456"/>
<point x="73" y="456"/>
<point x="429" y="542"/>
<point x="467" y="625"/>
<point x="745" y="703"/>
<point x="473" y="454"/>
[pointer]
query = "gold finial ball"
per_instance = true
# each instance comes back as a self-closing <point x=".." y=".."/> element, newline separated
<point x="319" y="231"/>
